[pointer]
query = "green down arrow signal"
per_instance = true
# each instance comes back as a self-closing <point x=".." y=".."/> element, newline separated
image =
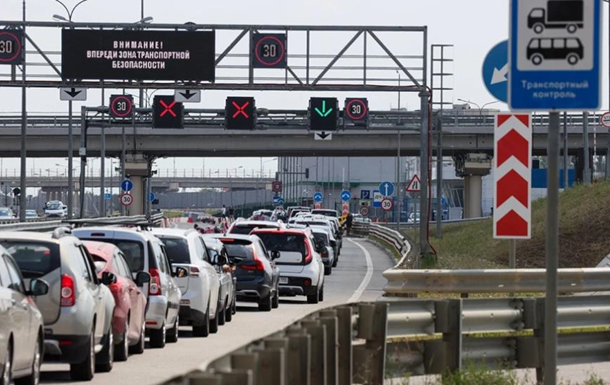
<point x="324" y="113"/>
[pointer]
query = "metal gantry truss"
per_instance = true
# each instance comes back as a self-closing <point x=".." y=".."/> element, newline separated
<point x="320" y="58"/>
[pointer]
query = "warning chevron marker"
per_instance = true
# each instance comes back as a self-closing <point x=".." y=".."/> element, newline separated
<point x="512" y="176"/>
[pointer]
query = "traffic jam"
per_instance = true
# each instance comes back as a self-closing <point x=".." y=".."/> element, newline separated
<point x="92" y="296"/>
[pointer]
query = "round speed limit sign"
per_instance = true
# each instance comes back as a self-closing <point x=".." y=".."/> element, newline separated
<point x="387" y="204"/>
<point x="126" y="199"/>
<point x="605" y="120"/>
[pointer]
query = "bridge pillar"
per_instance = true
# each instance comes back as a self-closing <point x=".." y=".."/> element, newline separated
<point x="137" y="169"/>
<point x="473" y="167"/>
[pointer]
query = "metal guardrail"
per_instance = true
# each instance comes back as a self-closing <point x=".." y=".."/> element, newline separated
<point x="393" y="237"/>
<point x="51" y="224"/>
<point x="440" y="336"/>
<point x="340" y="345"/>
<point x="403" y="282"/>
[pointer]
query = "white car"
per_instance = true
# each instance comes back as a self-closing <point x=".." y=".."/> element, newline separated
<point x="55" y="209"/>
<point x="298" y="258"/>
<point x="359" y="218"/>
<point x="226" y="274"/>
<point x="201" y="306"/>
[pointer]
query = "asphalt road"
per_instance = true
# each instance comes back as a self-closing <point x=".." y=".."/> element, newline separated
<point x="356" y="278"/>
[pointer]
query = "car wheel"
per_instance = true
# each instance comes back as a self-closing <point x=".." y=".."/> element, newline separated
<point x="214" y="323"/>
<point x="106" y="356"/>
<point x="34" y="378"/>
<point x="139" y="347"/>
<point x="84" y="371"/>
<point x="222" y="315"/>
<point x="276" y="300"/>
<point x="537" y="59"/>
<point x="328" y="270"/>
<point x="8" y="366"/>
<point x="573" y="59"/>
<point x="203" y="329"/>
<point x="313" y="298"/>
<point x="157" y="337"/>
<point x="321" y="294"/>
<point x="172" y="335"/>
<point x="538" y="28"/>
<point x="234" y="306"/>
<point x="335" y="261"/>
<point x="121" y="353"/>
<point x="572" y="28"/>
<point x="265" y="303"/>
<point x="229" y="312"/>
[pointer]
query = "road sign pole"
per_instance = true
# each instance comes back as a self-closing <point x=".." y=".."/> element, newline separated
<point x="70" y="162"/>
<point x="608" y="156"/>
<point x="566" y="151"/>
<point x="552" y="252"/>
<point x="102" y="176"/>
<point x="398" y="187"/>
<point x="586" y="175"/>
<point x="123" y="175"/>
<point x="439" y="175"/>
<point x="423" y="226"/>
<point x="24" y="125"/>
<point x="83" y="161"/>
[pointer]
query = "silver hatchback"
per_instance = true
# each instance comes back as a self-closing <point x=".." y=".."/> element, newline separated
<point x="77" y="310"/>
<point x="21" y="327"/>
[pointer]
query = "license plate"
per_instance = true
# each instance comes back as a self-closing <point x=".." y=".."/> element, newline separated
<point x="283" y="280"/>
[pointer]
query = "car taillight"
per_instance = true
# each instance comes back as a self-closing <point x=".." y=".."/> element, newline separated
<point x="68" y="295"/>
<point x="154" y="288"/>
<point x="259" y="265"/>
<point x="325" y="254"/>
<point x="194" y="271"/>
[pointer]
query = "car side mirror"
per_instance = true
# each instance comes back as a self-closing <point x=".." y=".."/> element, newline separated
<point x="142" y="277"/>
<point x="108" y="278"/>
<point x="180" y="272"/>
<point x="65" y="207"/>
<point x="237" y="260"/>
<point x="38" y="287"/>
<point x="275" y="254"/>
<point x="221" y="260"/>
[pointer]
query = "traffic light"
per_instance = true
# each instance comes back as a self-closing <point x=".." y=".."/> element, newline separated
<point x="240" y="113"/>
<point x="323" y="114"/>
<point x="167" y="113"/>
<point x="306" y="173"/>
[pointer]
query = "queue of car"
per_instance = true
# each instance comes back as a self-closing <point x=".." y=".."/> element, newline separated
<point x="91" y="296"/>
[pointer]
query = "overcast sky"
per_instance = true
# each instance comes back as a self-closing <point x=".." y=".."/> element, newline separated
<point x="472" y="26"/>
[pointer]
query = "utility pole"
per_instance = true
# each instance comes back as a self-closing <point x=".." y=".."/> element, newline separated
<point x="24" y="125"/>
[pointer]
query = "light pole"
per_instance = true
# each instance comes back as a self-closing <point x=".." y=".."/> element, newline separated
<point x="70" y="132"/>
<point x="24" y="124"/>
<point x="399" y="80"/>
<point x="480" y="107"/>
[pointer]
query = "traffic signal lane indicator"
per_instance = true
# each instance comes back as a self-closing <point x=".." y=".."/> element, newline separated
<point x="168" y="108"/>
<point x="240" y="110"/>
<point x="324" y="113"/>
<point x="512" y="176"/>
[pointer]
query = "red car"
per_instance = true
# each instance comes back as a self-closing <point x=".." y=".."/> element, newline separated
<point x="129" y="319"/>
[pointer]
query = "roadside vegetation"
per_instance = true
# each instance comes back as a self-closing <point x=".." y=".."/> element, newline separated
<point x="583" y="241"/>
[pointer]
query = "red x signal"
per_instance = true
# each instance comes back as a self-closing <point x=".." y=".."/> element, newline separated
<point x="241" y="110"/>
<point x="168" y="108"/>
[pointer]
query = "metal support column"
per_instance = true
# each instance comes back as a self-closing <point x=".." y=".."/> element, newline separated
<point x="102" y="172"/>
<point x="398" y="185"/>
<point x="123" y="175"/>
<point x="70" y="162"/>
<point x="439" y="176"/>
<point x="552" y="253"/>
<point x="83" y="160"/>
<point x="566" y="151"/>
<point x="586" y="175"/>
<point x="24" y="128"/>
<point x="424" y="161"/>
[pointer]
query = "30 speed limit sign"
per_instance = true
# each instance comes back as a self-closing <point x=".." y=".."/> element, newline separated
<point x="126" y="199"/>
<point x="387" y="204"/>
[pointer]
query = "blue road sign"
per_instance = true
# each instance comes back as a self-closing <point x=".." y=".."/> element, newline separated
<point x="346" y="196"/>
<point x="555" y="60"/>
<point x="377" y="198"/>
<point x="276" y="199"/>
<point x="152" y="196"/>
<point x="495" y="71"/>
<point x="107" y="196"/>
<point x="365" y="194"/>
<point x="126" y="185"/>
<point x="386" y="189"/>
<point x="318" y="197"/>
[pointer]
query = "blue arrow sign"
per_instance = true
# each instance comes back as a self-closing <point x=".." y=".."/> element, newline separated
<point x="318" y="197"/>
<point x="126" y="185"/>
<point x="555" y="55"/>
<point x="495" y="71"/>
<point x="277" y="199"/>
<point x="386" y="188"/>
<point x="107" y="196"/>
<point x="365" y="194"/>
<point x="346" y="196"/>
<point x="152" y="196"/>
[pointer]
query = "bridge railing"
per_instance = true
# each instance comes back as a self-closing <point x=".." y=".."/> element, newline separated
<point x="44" y="224"/>
<point x="161" y="173"/>
<point x="395" y="239"/>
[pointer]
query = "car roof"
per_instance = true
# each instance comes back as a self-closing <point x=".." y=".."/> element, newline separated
<point x="242" y="237"/>
<point x="27" y="236"/>
<point x="281" y="231"/>
<point x="256" y="223"/>
<point x="171" y="232"/>
<point x="115" y="233"/>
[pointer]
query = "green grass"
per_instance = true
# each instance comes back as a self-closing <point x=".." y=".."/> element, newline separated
<point x="583" y="227"/>
<point x="386" y="245"/>
<point x="173" y="214"/>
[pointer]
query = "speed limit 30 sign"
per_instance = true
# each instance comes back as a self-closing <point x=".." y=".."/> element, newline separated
<point x="126" y="199"/>
<point x="387" y="204"/>
<point x="121" y="106"/>
<point x="11" y="44"/>
<point x="269" y="50"/>
<point x="357" y="109"/>
<point x="605" y="119"/>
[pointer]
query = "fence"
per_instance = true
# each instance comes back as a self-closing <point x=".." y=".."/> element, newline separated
<point x="340" y="345"/>
<point x="51" y="224"/>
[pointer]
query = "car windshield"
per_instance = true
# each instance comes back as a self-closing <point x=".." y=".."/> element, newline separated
<point x="322" y="237"/>
<point x="4" y="213"/>
<point x="54" y="206"/>
<point x="239" y="251"/>
<point x="177" y="250"/>
<point x="133" y="250"/>
<point x="325" y="213"/>
<point x="283" y="242"/>
<point x="35" y="259"/>
<point x="31" y="213"/>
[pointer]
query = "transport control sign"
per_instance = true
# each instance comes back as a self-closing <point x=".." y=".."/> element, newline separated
<point x="555" y="55"/>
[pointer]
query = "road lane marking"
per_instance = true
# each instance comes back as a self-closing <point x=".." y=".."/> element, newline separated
<point x="367" y="278"/>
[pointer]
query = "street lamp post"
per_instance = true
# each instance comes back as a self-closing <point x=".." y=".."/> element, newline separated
<point x="481" y="108"/>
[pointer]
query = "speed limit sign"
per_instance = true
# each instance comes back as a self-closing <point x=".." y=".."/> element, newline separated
<point x="387" y="204"/>
<point x="126" y="199"/>
<point x="605" y="120"/>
